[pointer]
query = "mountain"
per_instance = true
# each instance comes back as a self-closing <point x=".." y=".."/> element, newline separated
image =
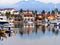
<point x="34" y="5"/>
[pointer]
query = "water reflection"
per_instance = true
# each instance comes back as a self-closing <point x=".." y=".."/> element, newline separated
<point x="5" y="34"/>
<point x="44" y="30"/>
<point x="33" y="32"/>
<point x="21" y="32"/>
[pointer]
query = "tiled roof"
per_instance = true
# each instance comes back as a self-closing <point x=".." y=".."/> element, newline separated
<point x="1" y="9"/>
<point x="28" y="14"/>
<point x="16" y="11"/>
<point x="27" y="10"/>
<point x="45" y="14"/>
<point x="8" y="8"/>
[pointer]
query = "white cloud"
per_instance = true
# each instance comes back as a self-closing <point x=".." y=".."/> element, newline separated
<point x="26" y="0"/>
<point x="48" y="1"/>
<point x="7" y="2"/>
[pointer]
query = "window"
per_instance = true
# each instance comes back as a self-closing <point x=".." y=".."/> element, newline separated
<point x="31" y="24"/>
<point x="15" y="19"/>
<point x="28" y="19"/>
<point x="1" y="18"/>
<point x="32" y="20"/>
<point x="25" y="24"/>
<point x="28" y="24"/>
<point x="18" y="19"/>
<point x="30" y="15"/>
<point x="9" y="18"/>
<point x="24" y="15"/>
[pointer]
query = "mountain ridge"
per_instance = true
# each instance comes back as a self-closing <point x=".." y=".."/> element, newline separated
<point x="33" y="5"/>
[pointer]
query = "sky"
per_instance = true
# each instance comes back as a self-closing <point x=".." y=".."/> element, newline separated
<point x="50" y="1"/>
<point x="7" y="2"/>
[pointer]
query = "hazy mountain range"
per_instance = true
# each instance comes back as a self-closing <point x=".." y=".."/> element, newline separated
<point x="33" y="5"/>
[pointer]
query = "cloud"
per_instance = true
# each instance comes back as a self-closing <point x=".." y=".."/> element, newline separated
<point x="49" y="1"/>
<point x="7" y="2"/>
<point x="26" y="0"/>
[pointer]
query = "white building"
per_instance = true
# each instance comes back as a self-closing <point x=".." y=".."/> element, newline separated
<point x="11" y="10"/>
<point x="58" y="16"/>
<point x="2" y="11"/>
<point x="27" y="11"/>
<point x="28" y="20"/>
<point x="15" y="12"/>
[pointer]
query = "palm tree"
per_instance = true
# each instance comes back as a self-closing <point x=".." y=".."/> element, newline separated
<point x="20" y="24"/>
<point x="56" y="32"/>
<point x="43" y="12"/>
<point x="53" y="30"/>
<point x="53" y="12"/>
<point x="21" y="33"/>
<point x="35" y="13"/>
<point x="44" y="16"/>
<point x="48" y="12"/>
<point x="43" y="29"/>
<point x="7" y="14"/>
<point x="20" y="14"/>
<point x="21" y="11"/>
<point x="12" y="15"/>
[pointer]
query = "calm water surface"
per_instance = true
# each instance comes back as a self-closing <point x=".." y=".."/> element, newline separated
<point x="41" y="35"/>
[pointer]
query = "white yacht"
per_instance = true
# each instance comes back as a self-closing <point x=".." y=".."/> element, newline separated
<point x="6" y="22"/>
<point x="3" y="20"/>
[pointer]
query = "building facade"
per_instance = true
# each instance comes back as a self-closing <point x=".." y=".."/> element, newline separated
<point x="28" y="20"/>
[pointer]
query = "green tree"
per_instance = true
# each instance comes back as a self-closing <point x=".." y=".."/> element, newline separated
<point x="20" y="19"/>
<point x="12" y="15"/>
<point x="43" y="12"/>
<point x="53" y="12"/>
<point x="7" y="14"/>
<point x="20" y="14"/>
<point x="21" y="11"/>
<point x="48" y="12"/>
<point x="35" y="11"/>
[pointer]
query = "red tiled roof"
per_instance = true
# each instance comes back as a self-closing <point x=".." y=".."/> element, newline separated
<point x="46" y="15"/>
<point x="27" y="15"/>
